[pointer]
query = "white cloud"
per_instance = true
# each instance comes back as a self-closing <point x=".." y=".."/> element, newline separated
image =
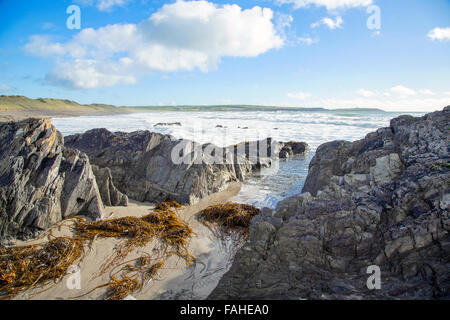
<point x="329" y="4"/>
<point x="5" y="88"/>
<point x="427" y="92"/>
<point x="366" y="93"/>
<point x="440" y="34"/>
<point x="371" y="99"/>
<point x="299" y="95"/>
<point x="42" y="46"/>
<point x="182" y="36"/>
<point x="307" y="40"/>
<point x="402" y="91"/>
<point x="329" y="22"/>
<point x="104" y="5"/>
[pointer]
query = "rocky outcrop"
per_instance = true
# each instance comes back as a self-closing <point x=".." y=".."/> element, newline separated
<point x="41" y="181"/>
<point x="262" y="152"/>
<point x="148" y="166"/>
<point x="153" y="167"/>
<point x="293" y="148"/>
<point x="381" y="201"/>
<point x="111" y="196"/>
<point x="164" y="124"/>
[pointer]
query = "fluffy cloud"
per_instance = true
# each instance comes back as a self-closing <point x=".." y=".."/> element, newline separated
<point x="42" y="46"/>
<point x="182" y="36"/>
<point x="329" y="4"/>
<point x="427" y="92"/>
<point x="104" y="5"/>
<point x="366" y="93"/>
<point x="299" y="95"/>
<point x="403" y="91"/>
<point x="329" y="22"/>
<point x="440" y="34"/>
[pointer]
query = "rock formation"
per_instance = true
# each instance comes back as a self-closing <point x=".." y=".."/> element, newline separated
<point x="111" y="196"/>
<point x="154" y="167"/>
<point x="381" y="201"/>
<point x="293" y="148"/>
<point x="164" y="124"/>
<point x="41" y="181"/>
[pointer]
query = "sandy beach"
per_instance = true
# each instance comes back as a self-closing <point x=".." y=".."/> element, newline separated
<point x="18" y="115"/>
<point x="174" y="281"/>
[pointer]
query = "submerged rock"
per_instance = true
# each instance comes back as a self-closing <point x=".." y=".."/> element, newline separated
<point x="154" y="167"/>
<point x="269" y="148"/>
<point x="41" y="181"/>
<point x="164" y="124"/>
<point x="293" y="148"/>
<point x="381" y="201"/>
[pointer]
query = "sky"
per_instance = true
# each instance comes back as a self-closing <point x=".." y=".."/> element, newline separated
<point x="388" y="54"/>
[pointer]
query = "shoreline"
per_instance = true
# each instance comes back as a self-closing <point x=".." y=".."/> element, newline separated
<point x="19" y="115"/>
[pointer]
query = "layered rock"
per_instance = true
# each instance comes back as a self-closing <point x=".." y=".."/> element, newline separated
<point x="154" y="167"/>
<point x="383" y="200"/>
<point x="148" y="166"/>
<point x="111" y="196"/>
<point x="41" y="181"/>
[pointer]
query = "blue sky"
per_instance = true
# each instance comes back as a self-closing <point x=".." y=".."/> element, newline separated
<point x="271" y="52"/>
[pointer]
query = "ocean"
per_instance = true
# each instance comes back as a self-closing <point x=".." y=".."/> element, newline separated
<point x="229" y="127"/>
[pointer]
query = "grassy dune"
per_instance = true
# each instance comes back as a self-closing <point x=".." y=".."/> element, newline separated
<point x="14" y="108"/>
<point x="21" y="103"/>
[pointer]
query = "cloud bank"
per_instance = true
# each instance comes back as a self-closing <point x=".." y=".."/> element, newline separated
<point x="329" y="4"/>
<point x="183" y="36"/>
<point x="398" y="98"/>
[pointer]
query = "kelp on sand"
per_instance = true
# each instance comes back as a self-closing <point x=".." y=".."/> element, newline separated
<point x="229" y="217"/>
<point x="22" y="268"/>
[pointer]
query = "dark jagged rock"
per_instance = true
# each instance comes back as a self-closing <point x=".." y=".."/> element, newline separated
<point x="154" y="167"/>
<point x="293" y="148"/>
<point x="269" y="149"/>
<point x="383" y="200"/>
<point x="164" y="124"/>
<point x="41" y="181"/>
<point x="111" y="196"/>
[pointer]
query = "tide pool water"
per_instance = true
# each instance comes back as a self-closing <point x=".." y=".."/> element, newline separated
<point x="230" y="127"/>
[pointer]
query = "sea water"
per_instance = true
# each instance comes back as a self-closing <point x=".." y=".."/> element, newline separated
<point x="230" y="127"/>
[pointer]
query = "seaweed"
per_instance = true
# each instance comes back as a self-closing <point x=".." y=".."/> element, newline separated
<point x="120" y="289"/>
<point x="162" y="223"/>
<point x="229" y="217"/>
<point x="21" y="268"/>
